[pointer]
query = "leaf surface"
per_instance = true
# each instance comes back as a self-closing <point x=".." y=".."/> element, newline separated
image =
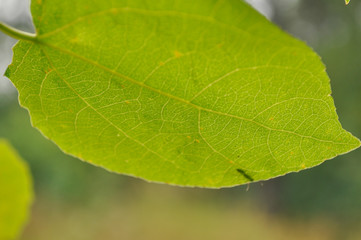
<point x="16" y="192"/>
<point x="196" y="93"/>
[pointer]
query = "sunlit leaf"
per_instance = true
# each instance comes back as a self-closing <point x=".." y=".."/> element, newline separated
<point x="192" y="92"/>
<point x="15" y="192"/>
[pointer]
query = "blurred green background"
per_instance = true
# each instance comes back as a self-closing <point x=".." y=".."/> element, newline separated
<point x="78" y="201"/>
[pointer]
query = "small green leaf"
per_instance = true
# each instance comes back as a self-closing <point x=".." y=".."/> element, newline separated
<point x="188" y="92"/>
<point x="16" y="192"/>
<point x="347" y="1"/>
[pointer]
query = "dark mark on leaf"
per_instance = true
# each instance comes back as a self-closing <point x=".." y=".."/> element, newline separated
<point x="245" y="174"/>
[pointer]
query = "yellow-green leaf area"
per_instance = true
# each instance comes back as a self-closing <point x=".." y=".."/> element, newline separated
<point x="194" y="92"/>
<point x="16" y="192"/>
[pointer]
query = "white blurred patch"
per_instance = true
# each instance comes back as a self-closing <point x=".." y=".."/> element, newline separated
<point x="262" y="6"/>
<point x="17" y="14"/>
<point x="13" y="11"/>
<point x="5" y="59"/>
<point x="285" y="6"/>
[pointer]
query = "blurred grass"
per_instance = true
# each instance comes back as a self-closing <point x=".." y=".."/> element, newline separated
<point x="159" y="212"/>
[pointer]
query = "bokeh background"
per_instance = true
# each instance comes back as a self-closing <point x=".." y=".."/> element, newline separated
<point x="80" y="202"/>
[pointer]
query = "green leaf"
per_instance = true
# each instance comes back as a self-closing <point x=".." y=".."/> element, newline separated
<point x="347" y="1"/>
<point x="197" y="92"/>
<point x="16" y="192"/>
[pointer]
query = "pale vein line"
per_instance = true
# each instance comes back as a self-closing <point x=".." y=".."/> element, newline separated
<point x="142" y="85"/>
<point x="270" y="150"/>
<point x="22" y="60"/>
<point x="164" y="63"/>
<point x="290" y="99"/>
<point x="41" y="92"/>
<point x="101" y="115"/>
<point x="220" y="79"/>
<point x="148" y="12"/>
<point x="212" y="148"/>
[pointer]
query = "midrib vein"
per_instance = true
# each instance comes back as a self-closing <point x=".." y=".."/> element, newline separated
<point x="101" y="115"/>
<point x="200" y="108"/>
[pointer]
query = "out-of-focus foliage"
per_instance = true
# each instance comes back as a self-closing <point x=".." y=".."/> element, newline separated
<point x="16" y="192"/>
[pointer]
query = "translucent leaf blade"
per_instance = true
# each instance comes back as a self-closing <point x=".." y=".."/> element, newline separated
<point x="195" y="93"/>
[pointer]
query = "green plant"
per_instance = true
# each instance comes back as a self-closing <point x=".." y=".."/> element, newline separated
<point x="16" y="192"/>
<point x="195" y="93"/>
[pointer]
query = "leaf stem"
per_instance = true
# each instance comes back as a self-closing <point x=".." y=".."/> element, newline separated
<point x="17" y="34"/>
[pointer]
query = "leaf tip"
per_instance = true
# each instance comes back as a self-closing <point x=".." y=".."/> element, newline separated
<point x="347" y="2"/>
<point x="356" y="143"/>
<point x="7" y="72"/>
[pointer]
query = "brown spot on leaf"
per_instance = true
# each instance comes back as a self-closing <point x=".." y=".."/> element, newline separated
<point x="114" y="11"/>
<point x="177" y="54"/>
